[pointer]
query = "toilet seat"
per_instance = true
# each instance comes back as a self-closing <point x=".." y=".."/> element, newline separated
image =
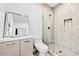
<point x="41" y="47"/>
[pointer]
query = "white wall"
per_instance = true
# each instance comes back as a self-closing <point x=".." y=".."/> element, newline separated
<point x="32" y="10"/>
<point x="2" y="15"/>
<point x="65" y="11"/>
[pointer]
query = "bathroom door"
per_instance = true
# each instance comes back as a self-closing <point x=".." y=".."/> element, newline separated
<point x="47" y="36"/>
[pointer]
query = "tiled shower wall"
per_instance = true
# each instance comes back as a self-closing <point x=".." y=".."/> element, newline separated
<point x="67" y="37"/>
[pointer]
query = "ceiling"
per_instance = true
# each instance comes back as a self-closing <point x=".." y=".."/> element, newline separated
<point x="52" y="4"/>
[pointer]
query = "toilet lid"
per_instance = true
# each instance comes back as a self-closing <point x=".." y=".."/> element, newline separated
<point x="42" y="46"/>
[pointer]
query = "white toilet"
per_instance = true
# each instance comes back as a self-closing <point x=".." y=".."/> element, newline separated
<point x="41" y="47"/>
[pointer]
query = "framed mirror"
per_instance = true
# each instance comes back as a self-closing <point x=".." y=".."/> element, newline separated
<point x="16" y="25"/>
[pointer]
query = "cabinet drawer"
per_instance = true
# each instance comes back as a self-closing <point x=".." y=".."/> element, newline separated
<point x="28" y="42"/>
<point x="10" y="48"/>
<point x="27" y="47"/>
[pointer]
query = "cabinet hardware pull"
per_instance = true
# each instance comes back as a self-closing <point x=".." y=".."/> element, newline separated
<point x="10" y="44"/>
<point x="26" y="41"/>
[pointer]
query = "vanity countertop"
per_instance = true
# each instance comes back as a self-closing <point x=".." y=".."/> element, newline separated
<point x="15" y="38"/>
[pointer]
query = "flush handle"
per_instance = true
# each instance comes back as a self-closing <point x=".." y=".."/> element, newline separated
<point x="10" y="44"/>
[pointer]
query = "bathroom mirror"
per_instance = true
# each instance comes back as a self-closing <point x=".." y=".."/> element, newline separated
<point x="16" y="25"/>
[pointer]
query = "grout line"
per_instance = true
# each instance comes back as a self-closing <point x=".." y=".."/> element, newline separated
<point x="50" y="53"/>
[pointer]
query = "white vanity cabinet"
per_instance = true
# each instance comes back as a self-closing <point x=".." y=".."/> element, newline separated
<point x="10" y="48"/>
<point x="27" y="47"/>
<point x="22" y="47"/>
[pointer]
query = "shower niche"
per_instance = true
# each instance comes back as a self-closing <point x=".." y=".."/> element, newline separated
<point x="16" y="25"/>
<point x="67" y="22"/>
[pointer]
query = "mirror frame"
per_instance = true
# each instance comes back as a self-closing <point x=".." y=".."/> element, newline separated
<point x="6" y="13"/>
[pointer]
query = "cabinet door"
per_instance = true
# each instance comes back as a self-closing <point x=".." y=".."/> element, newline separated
<point x="10" y="48"/>
<point x="27" y="47"/>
